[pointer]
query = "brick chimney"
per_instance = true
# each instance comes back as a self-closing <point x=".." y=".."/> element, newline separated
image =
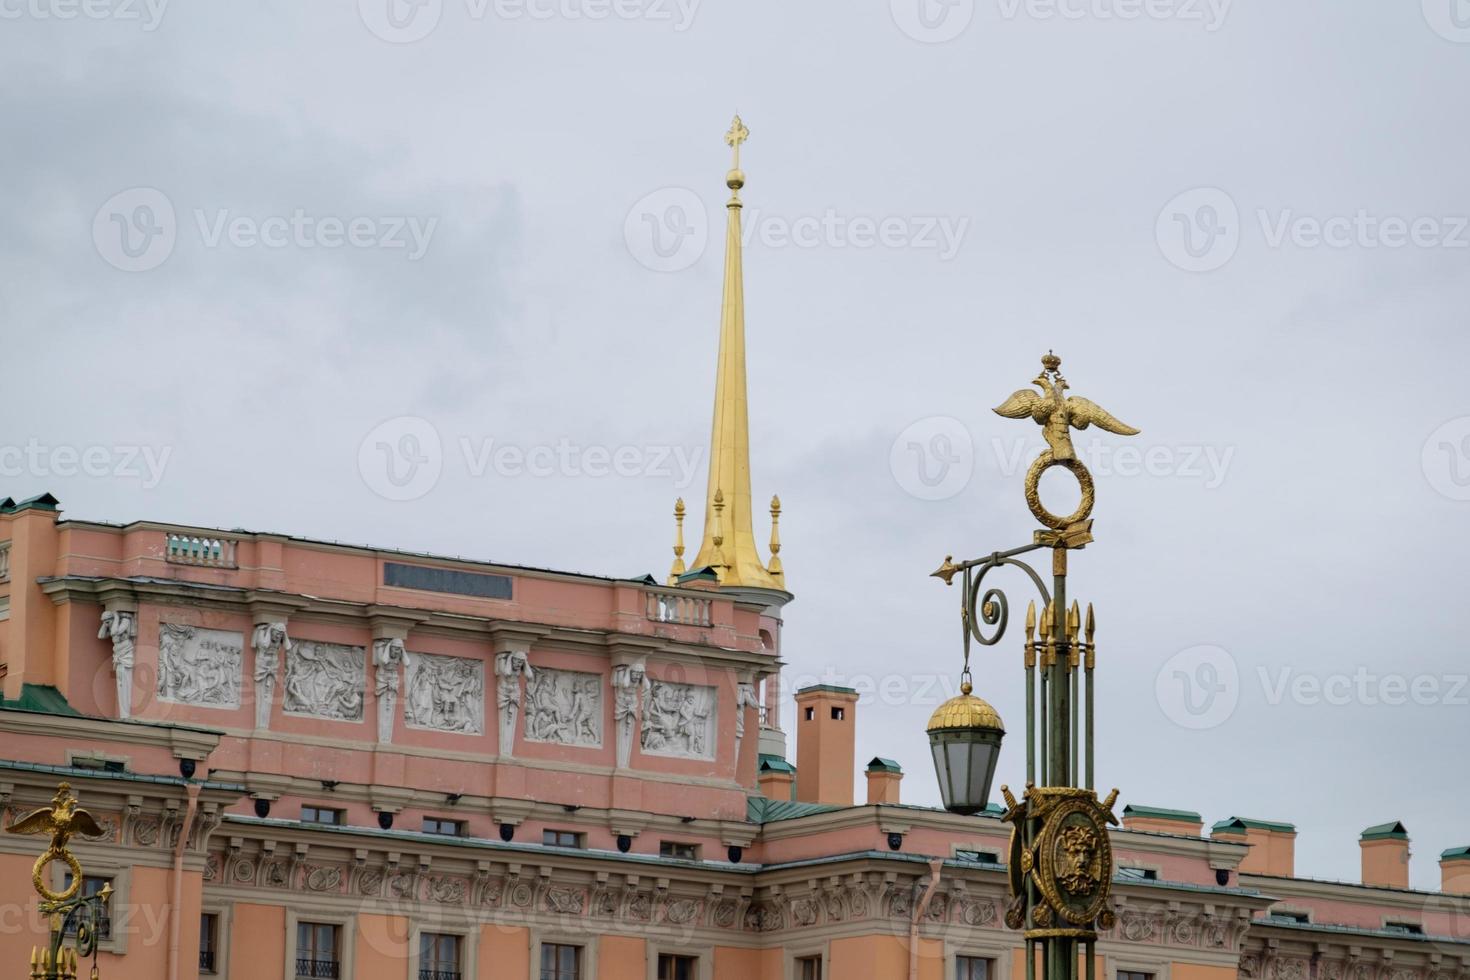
<point x="884" y="775"/>
<point x="776" y="778"/>
<point x="1454" y="871"/>
<point x="1385" y="855"/>
<point x="825" y="746"/>
<point x="1273" y="844"/>
<point x="1161" y="821"/>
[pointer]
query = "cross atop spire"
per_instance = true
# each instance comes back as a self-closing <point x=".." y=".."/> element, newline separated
<point x="738" y="134"/>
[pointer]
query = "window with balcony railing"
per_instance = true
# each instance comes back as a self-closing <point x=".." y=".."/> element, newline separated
<point x="91" y="885"/>
<point x="317" y="951"/>
<point x="208" y="941"/>
<point x="439" y="956"/>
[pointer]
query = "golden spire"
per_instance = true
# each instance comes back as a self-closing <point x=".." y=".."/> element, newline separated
<point x="728" y="544"/>
<point x="678" y="567"/>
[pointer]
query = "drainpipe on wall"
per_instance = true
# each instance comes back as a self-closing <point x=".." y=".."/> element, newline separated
<point x="178" y="882"/>
<point x="935" y="866"/>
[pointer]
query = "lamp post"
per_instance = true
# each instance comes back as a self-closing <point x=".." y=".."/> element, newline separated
<point x="68" y="911"/>
<point x="1061" y="862"/>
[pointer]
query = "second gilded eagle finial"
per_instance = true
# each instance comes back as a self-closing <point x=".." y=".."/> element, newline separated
<point x="1056" y="414"/>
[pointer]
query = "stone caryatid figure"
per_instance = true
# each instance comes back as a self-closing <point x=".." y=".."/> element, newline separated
<point x="745" y="697"/>
<point x="122" y="629"/>
<point x="388" y="656"/>
<point x="510" y="667"/>
<point x="270" y="642"/>
<point x="630" y="688"/>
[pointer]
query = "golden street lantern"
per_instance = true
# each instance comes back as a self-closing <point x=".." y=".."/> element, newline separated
<point x="965" y="735"/>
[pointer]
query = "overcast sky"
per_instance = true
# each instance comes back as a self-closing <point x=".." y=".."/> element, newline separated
<point x="253" y="244"/>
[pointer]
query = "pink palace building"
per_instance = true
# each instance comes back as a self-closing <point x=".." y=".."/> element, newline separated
<point x="311" y="760"/>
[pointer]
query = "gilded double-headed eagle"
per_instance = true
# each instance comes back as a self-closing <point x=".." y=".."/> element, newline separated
<point x="1055" y="414"/>
<point x="61" y="819"/>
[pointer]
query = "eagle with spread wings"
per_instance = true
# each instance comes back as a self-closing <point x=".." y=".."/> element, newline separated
<point x="61" y="819"/>
<point x="1056" y="414"/>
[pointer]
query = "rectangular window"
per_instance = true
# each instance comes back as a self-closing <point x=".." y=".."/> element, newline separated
<point x="321" y="814"/>
<point x="809" y="968"/>
<point x="811" y="714"/>
<point x="438" y="956"/>
<point x="561" y="838"/>
<point x="91" y="885"/>
<point x="980" y="857"/>
<point x="1137" y="874"/>
<point x="678" y="851"/>
<point x="1301" y="918"/>
<point x="1408" y="928"/>
<point x="208" y="941"/>
<point x="561" y="962"/>
<point x="317" y="946"/>
<point x="971" y="968"/>
<point x="1134" y="975"/>
<point x="839" y="713"/>
<point x="671" y="967"/>
<point x="447" y="828"/>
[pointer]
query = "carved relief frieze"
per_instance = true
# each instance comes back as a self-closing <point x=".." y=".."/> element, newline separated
<point x="200" y="667"/>
<point x="325" y="680"/>
<point x="445" y="694"/>
<point x="564" y="707"/>
<point x="679" y="720"/>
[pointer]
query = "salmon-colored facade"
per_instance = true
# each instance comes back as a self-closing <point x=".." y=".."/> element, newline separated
<point x="326" y="834"/>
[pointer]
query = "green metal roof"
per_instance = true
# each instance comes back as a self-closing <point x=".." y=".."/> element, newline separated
<point x="1386" y="831"/>
<point x="1159" y="813"/>
<point x="880" y="764"/>
<point x="1239" y="825"/>
<point x="828" y="688"/>
<point x="1455" y="854"/>
<point x="42" y="698"/>
<point x="774" y="763"/>
<point x="762" y="810"/>
<point x="41" y="501"/>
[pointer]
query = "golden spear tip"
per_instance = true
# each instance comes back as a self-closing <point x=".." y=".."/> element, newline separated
<point x="1091" y="623"/>
<point x="1030" y="620"/>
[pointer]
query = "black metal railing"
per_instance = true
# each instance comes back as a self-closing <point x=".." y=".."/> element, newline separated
<point x="206" y="961"/>
<point x="426" y="974"/>
<point x="104" y="927"/>
<point x="317" y="969"/>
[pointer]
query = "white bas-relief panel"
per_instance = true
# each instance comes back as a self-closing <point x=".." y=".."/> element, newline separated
<point x="445" y="694"/>
<point x="200" y="667"/>
<point x="679" y="720"/>
<point x="325" y="680"/>
<point x="564" y="707"/>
